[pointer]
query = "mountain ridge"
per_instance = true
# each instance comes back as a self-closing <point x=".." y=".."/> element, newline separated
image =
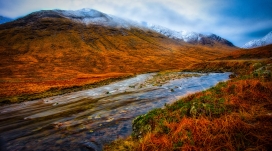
<point x="84" y="16"/>
<point x="94" y="17"/>
<point x="4" y="19"/>
<point x="190" y="37"/>
<point x="266" y="40"/>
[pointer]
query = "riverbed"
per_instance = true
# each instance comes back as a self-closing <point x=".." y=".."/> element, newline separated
<point x="88" y="119"/>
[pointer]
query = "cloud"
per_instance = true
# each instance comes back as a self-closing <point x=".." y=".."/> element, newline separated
<point x="236" y="20"/>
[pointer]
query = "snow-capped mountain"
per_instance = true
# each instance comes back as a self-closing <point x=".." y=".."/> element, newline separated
<point x="189" y="37"/>
<point x="91" y="16"/>
<point x="4" y="19"/>
<point x="94" y="17"/>
<point x="86" y="16"/>
<point x="183" y="35"/>
<point x="266" y="40"/>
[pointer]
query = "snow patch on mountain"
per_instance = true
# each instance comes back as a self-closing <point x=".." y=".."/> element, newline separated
<point x="182" y="35"/>
<point x="266" y="40"/>
<point x="91" y="16"/>
<point x="190" y="37"/>
<point x="187" y="36"/>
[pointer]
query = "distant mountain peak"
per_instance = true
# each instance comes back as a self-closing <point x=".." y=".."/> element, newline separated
<point x="85" y="16"/>
<point x="190" y="37"/>
<point x="92" y="16"/>
<point x="266" y="40"/>
<point x="4" y="19"/>
<point x="82" y="13"/>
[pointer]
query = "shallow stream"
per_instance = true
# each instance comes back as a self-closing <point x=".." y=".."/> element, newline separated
<point x="88" y="119"/>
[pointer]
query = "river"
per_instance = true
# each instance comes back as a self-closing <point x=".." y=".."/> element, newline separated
<point x="85" y="120"/>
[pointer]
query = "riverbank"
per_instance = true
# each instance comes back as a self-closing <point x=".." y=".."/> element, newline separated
<point x="233" y="115"/>
<point x="16" y="92"/>
<point x="27" y="91"/>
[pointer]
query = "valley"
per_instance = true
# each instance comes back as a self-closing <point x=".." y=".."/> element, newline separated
<point x="45" y="50"/>
<point x="86" y="80"/>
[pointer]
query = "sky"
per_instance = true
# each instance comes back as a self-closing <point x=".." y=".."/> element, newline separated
<point x="238" y="21"/>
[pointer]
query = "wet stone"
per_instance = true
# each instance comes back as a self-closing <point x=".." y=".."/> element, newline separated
<point x="99" y="134"/>
<point x="90" y="146"/>
<point x="124" y="130"/>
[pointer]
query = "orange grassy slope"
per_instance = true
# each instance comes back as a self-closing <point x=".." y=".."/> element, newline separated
<point x="50" y="50"/>
<point x="255" y="53"/>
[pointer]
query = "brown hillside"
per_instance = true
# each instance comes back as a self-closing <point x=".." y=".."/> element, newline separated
<point x="254" y="53"/>
<point x="39" y="53"/>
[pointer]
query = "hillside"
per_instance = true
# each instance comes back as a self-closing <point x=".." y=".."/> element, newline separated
<point x="47" y="49"/>
<point x="253" y="53"/>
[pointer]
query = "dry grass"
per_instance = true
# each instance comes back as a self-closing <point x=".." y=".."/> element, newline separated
<point x="27" y="91"/>
<point x="235" y="115"/>
<point x="255" y="53"/>
<point x="29" y="87"/>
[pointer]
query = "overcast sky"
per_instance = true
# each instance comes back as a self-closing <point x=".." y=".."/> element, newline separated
<point x="236" y="20"/>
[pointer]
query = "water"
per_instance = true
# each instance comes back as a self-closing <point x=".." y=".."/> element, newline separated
<point x="88" y="119"/>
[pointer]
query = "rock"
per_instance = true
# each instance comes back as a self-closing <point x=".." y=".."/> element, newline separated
<point x="123" y="111"/>
<point x="232" y="76"/>
<point x="110" y="119"/>
<point x="97" y="116"/>
<point x="2" y="144"/>
<point x="266" y="74"/>
<point x="91" y="146"/>
<point x="55" y="104"/>
<point x="257" y="65"/>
